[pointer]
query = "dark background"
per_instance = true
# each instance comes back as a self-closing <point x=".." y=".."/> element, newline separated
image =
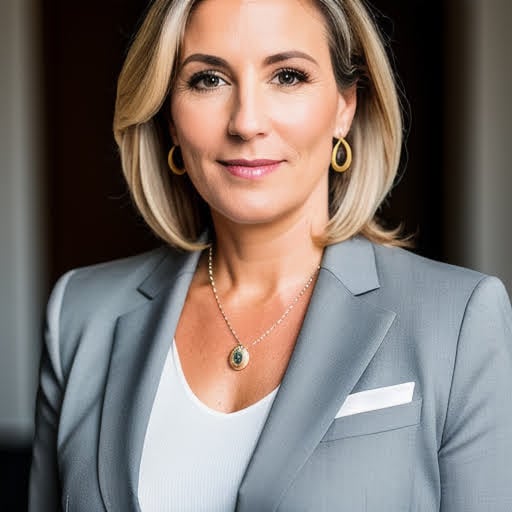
<point x="90" y="216"/>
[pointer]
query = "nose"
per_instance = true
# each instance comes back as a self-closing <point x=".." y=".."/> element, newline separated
<point x="248" y="117"/>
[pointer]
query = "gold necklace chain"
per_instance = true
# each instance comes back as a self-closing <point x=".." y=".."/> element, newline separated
<point x="239" y="356"/>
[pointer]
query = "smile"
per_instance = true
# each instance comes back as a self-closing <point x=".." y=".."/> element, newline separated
<point x="250" y="169"/>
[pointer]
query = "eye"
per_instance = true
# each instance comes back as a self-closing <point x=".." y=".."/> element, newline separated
<point x="205" y="80"/>
<point x="289" y="77"/>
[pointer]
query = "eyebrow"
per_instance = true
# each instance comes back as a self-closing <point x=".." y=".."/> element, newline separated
<point x="213" y="60"/>
<point x="293" y="54"/>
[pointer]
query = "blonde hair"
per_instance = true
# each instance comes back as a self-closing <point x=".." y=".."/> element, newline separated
<point x="171" y="205"/>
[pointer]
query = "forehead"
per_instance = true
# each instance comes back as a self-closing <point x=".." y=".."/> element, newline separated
<point x="258" y="26"/>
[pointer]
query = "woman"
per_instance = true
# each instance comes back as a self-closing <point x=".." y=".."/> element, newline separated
<point x="290" y="356"/>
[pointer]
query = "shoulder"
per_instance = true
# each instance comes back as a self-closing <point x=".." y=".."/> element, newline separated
<point x="110" y="286"/>
<point x="119" y="271"/>
<point x="395" y="261"/>
<point x="85" y="302"/>
<point x="402" y="270"/>
<point x="437" y="292"/>
<point x="101" y="280"/>
<point x="395" y="275"/>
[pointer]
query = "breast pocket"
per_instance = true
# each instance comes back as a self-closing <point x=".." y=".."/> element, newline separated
<point x="373" y="422"/>
<point x="364" y="463"/>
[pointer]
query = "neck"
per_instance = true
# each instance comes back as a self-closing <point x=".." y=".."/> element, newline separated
<point x="261" y="260"/>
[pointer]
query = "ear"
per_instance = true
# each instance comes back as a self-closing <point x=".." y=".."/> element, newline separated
<point x="172" y="131"/>
<point x="347" y="103"/>
<point x="170" y="123"/>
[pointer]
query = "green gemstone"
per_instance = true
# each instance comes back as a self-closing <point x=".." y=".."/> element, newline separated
<point x="238" y="357"/>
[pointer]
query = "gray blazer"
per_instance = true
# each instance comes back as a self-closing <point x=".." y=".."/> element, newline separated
<point x="378" y="317"/>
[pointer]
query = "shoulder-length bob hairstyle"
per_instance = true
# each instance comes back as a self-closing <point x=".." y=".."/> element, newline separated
<point x="171" y="205"/>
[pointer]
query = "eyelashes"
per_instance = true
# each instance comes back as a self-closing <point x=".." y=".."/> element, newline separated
<point x="209" y="80"/>
<point x="205" y="80"/>
<point x="292" y="76"/>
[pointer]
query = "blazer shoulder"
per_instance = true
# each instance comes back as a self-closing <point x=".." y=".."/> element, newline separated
<point x="121" y="268"/>
<point x="395" y="264"/>
<point x="89" y="300"/>
<point x="111" y="285"/>
<point x="407" y="280"/>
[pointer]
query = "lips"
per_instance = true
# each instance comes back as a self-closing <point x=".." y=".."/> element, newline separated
<point x="250" y="163"/>
<point x="250" y="169"/>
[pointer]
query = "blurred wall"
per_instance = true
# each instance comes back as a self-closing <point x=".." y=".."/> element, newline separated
<point x="80" y="164"/>
<point x="478" y="167"/>
<point x="63" y="202"/>
<point x="22" y="249"/>
<point x="490" y="139"/>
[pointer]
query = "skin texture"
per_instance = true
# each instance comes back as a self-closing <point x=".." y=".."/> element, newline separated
<point x="250" y="104"/>
<point x="246" y="111"/>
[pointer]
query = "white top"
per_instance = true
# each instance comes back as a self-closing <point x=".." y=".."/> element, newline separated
<point x="194" y="457"/>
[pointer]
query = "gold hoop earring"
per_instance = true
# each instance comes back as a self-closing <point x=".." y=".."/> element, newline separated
<point x="342" y="145"/>
<point x="176" y="169"/>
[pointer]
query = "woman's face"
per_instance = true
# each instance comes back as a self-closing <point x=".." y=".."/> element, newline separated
<point x="255" y="108"/>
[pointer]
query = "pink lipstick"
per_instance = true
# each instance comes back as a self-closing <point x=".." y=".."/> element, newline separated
<point x="250" y="169"/>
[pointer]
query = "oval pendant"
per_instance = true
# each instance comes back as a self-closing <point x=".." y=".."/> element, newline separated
<point x="239" y="358"/>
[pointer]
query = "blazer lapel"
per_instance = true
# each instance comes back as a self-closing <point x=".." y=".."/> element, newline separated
<point x="340" y="335"/>
<point x="141" y="342"/>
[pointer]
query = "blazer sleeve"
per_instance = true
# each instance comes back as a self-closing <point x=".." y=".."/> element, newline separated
<point x="476" y="448"/>
<point x="44" y="485"/>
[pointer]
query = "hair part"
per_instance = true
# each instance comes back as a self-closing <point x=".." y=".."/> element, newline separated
<point x="170" y="204"/>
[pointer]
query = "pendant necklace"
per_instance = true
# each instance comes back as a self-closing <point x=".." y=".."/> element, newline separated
<point x="239" y="356"/>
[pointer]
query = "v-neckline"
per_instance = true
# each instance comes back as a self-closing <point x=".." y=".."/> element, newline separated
<point x="205" y="408"/>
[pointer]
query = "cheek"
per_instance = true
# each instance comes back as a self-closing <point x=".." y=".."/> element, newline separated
<point x="307" y="122"/>
<point x="198" y="124"/>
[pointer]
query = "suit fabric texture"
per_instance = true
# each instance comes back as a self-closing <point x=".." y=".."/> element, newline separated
<point x="378" y="316"/>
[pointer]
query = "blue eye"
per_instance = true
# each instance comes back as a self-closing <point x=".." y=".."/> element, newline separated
<point x="205" y="80"/>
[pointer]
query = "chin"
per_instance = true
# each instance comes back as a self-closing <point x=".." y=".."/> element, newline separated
<point x="253" y="215"/>
<point x="250" y="218"/>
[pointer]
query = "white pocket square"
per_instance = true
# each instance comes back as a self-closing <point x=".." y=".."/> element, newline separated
<point x="377" y="398"/>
